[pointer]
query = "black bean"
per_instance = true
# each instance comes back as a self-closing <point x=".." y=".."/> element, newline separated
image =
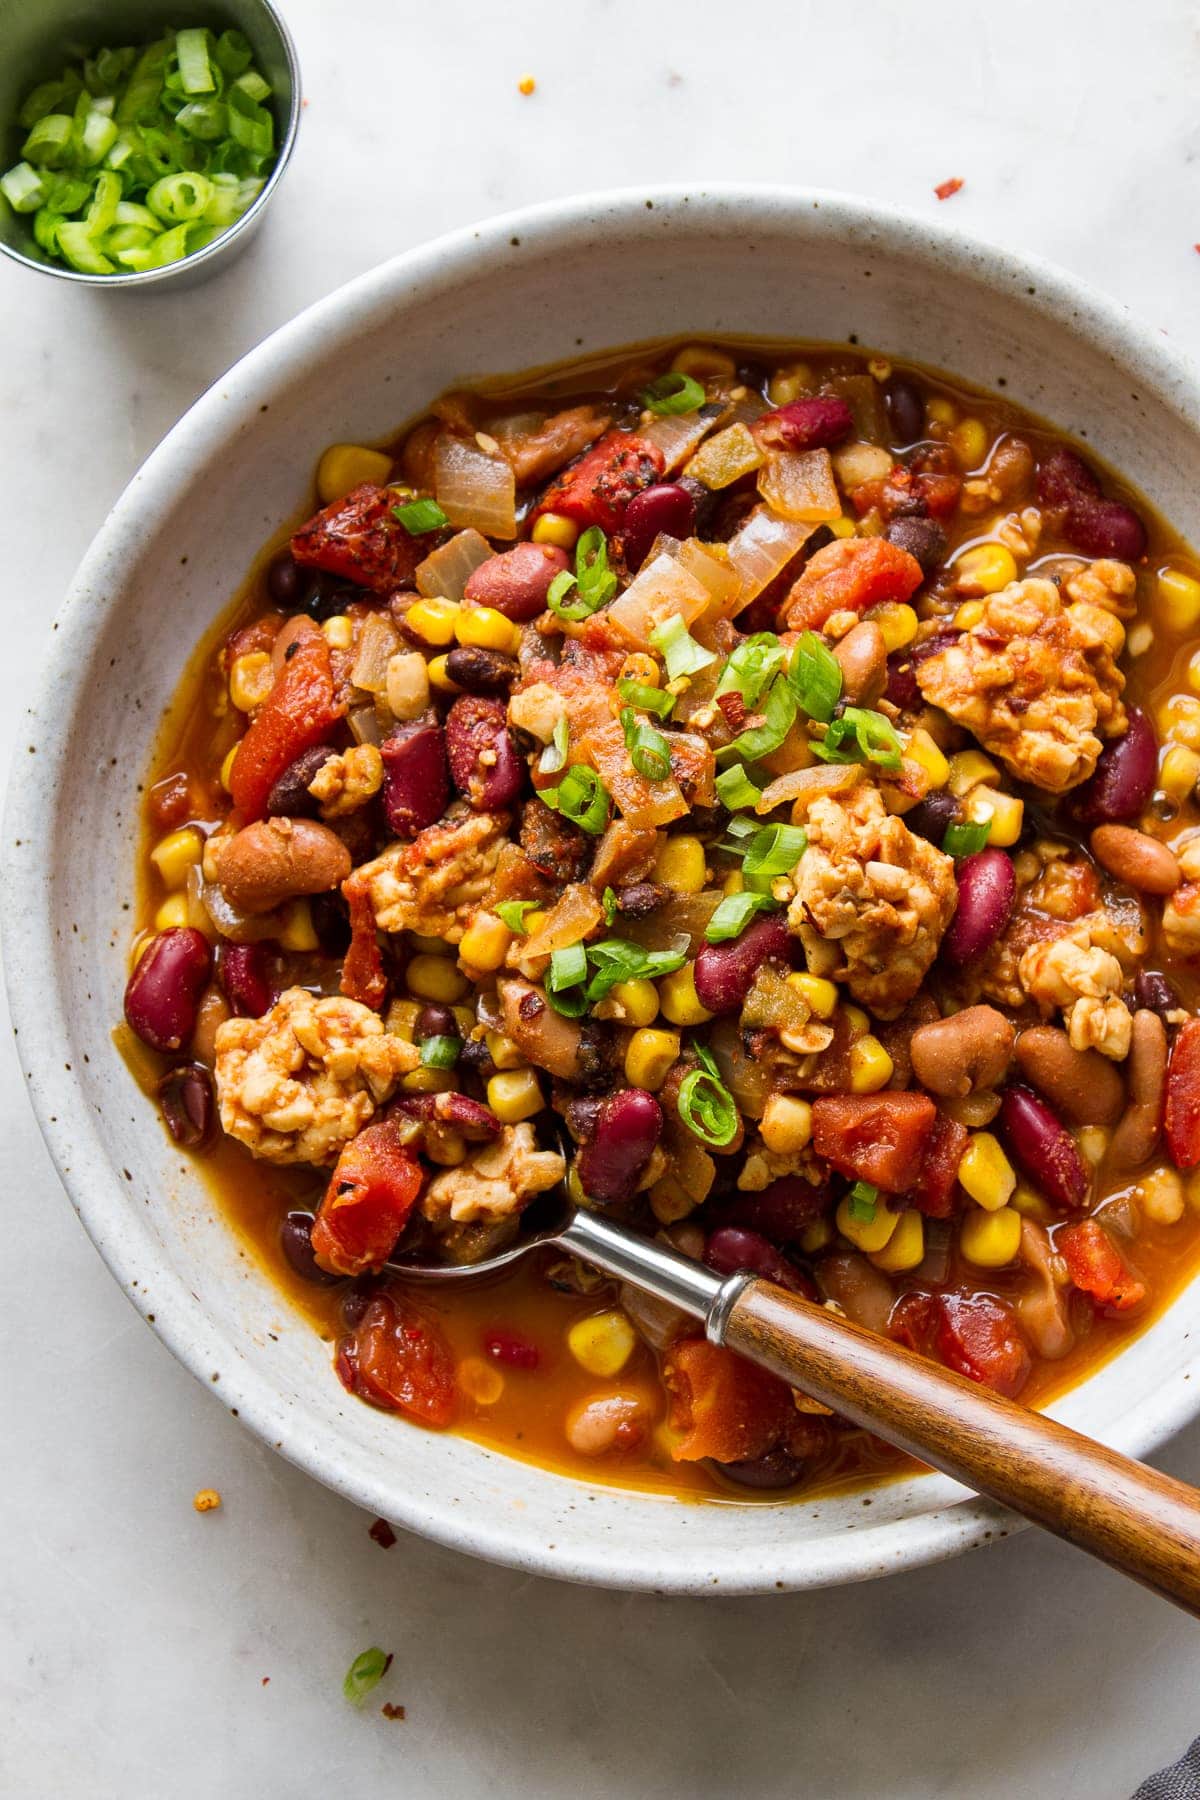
<point x="922" y="538"/>
<point x="905" y="410"/>
<point x="331" y="922"/>
<point x="435" y="1021"/>
<point x="1152" y="989"/>
<point x="479" y="671"/>
<point x="295" y="1240"/>
<point x="642" y="897"/>
<point x="930" y="817"/>
<point x="285" y="583"/>
<point x="289" y="796"/>
<point x="186" y="1099"/>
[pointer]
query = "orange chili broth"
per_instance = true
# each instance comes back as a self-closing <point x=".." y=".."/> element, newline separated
<point x="527" y="1420"/>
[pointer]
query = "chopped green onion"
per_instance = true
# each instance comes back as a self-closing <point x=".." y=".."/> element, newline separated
<point x="679" y="649"/>
<point x="615" y="960"/>
<point x="775" y="850"/>
<point x="735" y="913"/>
<point x="195" y="71"/>
<point x="581" y="796"/>
<point x="707" y="1108"/>
<point x="252" y="85"/>
<point x="513" y="913"/>
<point x="672" y="394"/>
<point x="752" y="667"/>
<point x="735" y="788"/>
<point x="860" y="735"/>
<point x="178" y="199"/>
<point x="365" y="1673"/>
<point x="965" y="840"/>
<point x="420" y="516"/>
<point x="23" y="188"/>
<point x="234" y="54"/>
<point x="739" y="834"/>
<point x="49" y="97"/>
<point x="650" y="699"/>
<point x="97" y="138"/>
<point x="77" y="244"/>
<point x="207" y="120"/>
<point x="779" y="715"/>
<point x="648" y="749"/>
<point x="556" y="598"/>
<point x="440" y="1052"/>
<point x="102" y="213"/>
<point x="815" y="676"/>
<point x="862" y="1201"/>
<point x="608" y="901"/>
<point x="597" y="583"/>
<point x="50" y="142"/>
<point x="568" y="971"/>
<point x="554" y="756"/>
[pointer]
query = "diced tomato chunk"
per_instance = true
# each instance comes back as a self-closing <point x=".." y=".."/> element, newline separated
<point x="850" y="575"/>
<point x="363" y="977"/>
<point x="299" y="711"/>
<point x="881" y="1138"/>
<point x="725" y="1407"/>
<point x="934" y="1191"/>
<point x="360" y="539"/>
<point x="397" y="1358"/>
<point x="976" y="1335"/>
<point x="366" y="1205"/>
<point x="1183" y="1097"/>
<point x="1097" y="1267"/>
<point x="597" y="488"/>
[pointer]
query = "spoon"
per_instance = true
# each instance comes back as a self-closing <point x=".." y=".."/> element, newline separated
<point x="1141" y="1522"/>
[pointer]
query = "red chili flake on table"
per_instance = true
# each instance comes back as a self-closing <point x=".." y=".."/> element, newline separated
<point x="390" y="1710"/>
<point x="946" y="189"/>
<point x="382" y="1533"/>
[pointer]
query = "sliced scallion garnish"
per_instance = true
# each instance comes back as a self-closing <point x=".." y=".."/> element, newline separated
<point x="965" y="839"/>
<point x="707" y="1107"/>
<point x="862" y="1200"/>
<point x="565" y="978"/>
<point x="815" y="676"/>
<point x="554" y="756"/>
<point x="861" y="735"/>
<point x="440" y="1052"/>
<point x="365" y="1673"/>
<point x="679" y="649"/>
<point x="779" y="715"/>
<point x="735" y="913"/>
<point x="580" y="796"/>
<point x="649" y="699"/>
<point x="420" y="516"/>
<point x="735" y="788"/>
<point x="751" y="668"/>
<point x="513" y="914"/>
<point x="648" y="749"/>
<point x="672" y="394"/>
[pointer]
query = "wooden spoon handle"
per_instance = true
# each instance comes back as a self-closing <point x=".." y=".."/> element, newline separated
<point x="1145" y="1524"/>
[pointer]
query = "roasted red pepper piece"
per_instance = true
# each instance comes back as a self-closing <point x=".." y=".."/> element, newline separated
<point x="934" y="1191"/>
<point x="850" y="575"/>
<point x="974" y="1334"/>
<point x="881" y="1138"/>
<point x="1183" y="1097"/>
<point x="300" y="711"/>
<point x="360" y="539"/>
<point x="597" y="489"/>
<point x="1097" y="1267"/>
<point x="725" y="1407"/>
<point x="366" y="1205"/>
<point x="397" y="1358"/>
<point x="363" y="977"/>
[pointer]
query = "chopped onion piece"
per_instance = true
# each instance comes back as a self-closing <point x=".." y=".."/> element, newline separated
<point x="379" y="642"/>
<point x="445" y="572"/>
<point x="726" y="457"/>
<point x="807" y="785"/>
<point x="710" y="564"/>
<point x="364" y="725"/>
<point x="573" y="917"/>
<point x="762" y="548"/>
<point x="799" y="484"/>
<point x="473" y="488"/>
<point x="232" y="923"/>
<point x="678" y="436"/>
<point x="663" y="590"/>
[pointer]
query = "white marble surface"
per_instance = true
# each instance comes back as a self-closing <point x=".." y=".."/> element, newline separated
<point x="135" y="1636"/>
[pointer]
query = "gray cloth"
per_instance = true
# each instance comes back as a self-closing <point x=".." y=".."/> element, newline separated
<point x="1179" y="1782"/>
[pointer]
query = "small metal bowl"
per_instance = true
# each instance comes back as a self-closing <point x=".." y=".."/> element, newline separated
<point x="38" y="36"/>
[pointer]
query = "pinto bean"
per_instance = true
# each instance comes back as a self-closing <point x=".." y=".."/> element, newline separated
<point x="416" y="782"/>
<point x="724" y="973"/>
<point x="628" y="1126"/>
<point x="545" y="1037"/>
<point x="1043" y="1148"/>
<point x="1142" y="862"/>
<point x="1124" y="776"/>
<point x="1080" y="1084"/>
<point x="484" y="764"/>
<point x="274" y="860"/>
<point x="863" y="659"/>
<point x="607" y="1422"/>
<point x="986" y="890"/>
<point x="1136" y="1137"/>
<point x="163" y="993"/>
<point x="970" y="1050"/>
<point x="517" y="581"/>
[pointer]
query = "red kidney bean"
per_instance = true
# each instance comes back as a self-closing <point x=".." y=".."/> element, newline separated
<point x="1152" y="989"/>
<point x="777" y="1469"/>
<point x="289" y="797"/>
<point x="245" y="977"/>
<point x="479" y="671"/>
<point x="924" y="539"/>
<point x="295" y="1241"/>
<point x="627" y="1129"/>
<point x="476" y="1122"/>
<point x="508" y="1347"/>
<point x="902" y="689"/>
<point x="1124" y="777"/>
<point x="164" y="990"/>
<point x="477" y="729"/>
<point x="416" y="783"/>
<point x="815" y="423"/>
<point x="186" y="1099"/>
<point x="986" y="890"/>
<point x="1043" y="1148"/>
<point x="781" y="1212"/>
<point x="517" y="581"/>
<point x="667" y="508"/>
<point x="905" y="410"/>
<point x="724" y="973"/>
<point x="1092" y="523"/>
<point x="731" y="1248"/>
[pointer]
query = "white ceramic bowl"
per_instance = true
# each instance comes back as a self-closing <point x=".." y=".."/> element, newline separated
<point x="556" y="282"/>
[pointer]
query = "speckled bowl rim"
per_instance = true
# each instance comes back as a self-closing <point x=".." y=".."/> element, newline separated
<point x="77" y="1149"/>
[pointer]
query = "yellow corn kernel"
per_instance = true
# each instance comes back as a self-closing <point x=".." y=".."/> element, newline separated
<point x="1003" y="814"/>
<point x="344" y="467"/>
<point x="428" y="1081"/>
<point x="1092" y="1143"/>
<point x="1193" y="672"/>
<point x="941" y="411"/>
<point x="449" y="1148"/>
<point x="679" y="863"/>
<point x="503" y="1052"/>
<point x="968" y="614"/>
<point x="990" y="1239"/>
<point x="436" y="978"/>
<point x="649" y="1055"/>
<point x="703" y="363"/>
<point x="786" y="1124"/>
<point x="602" y="1344"/>
<point x="554" y="528"/>
<point x="678" y="998"/>
<point x="480" y="1381"/>
<point x="176" y="853"/>
<point x="921" y="748"/>
<point x="985" y="569"/>
<point x="898" y="623"/>
<point x="968" y="769"/>
<point x="440" y="678"/>
<point x="484" y="628"/>
<point x="1030" y="1205"/>
<point x="250" y="680"/>
<point x="297" y="932"/>
<point x="407" y="684"/>
<point x="842" y="528"/>
<point x="535" y="920"/>
<point x="1179" y="719"/>
<point x="906" y="1246"/>
<point x="986" y="1172"/>
<point x="970" y="441"/>
<point x="857" y="1020"/>
<point x="820" y="996"/>
<point x="173" y="912"/>
<point x="485" y="942"/>
<point x="789" y="383"/>
<point x="640" y="667"/>
<point x="339" y="631"/>
<point x="227" y="767"/>
<point x="433" y="620"/>
<point x="464" y="1018"/>
<point x="815" y="1237"/>
<point x="638" y="1001"/>
<point x="1179" y="773"/>
<point x="402" y="1018"/>
<point x="870" y="1066"/>
<point x="515" y="1094"/>
<point x="869" y="1235"/>
<point x="1178" y="599"/>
